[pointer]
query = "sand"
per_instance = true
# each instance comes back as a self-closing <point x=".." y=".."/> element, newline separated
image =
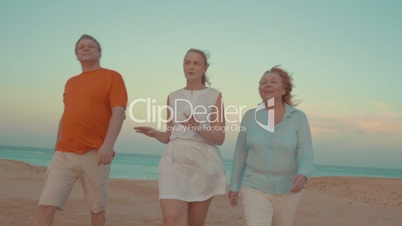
<point x="327" y="201"/>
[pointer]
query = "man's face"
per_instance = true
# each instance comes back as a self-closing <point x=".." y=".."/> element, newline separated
<point x="88" y="50"/>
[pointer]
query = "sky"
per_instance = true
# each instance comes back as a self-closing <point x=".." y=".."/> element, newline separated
<point x="344" y="57"/>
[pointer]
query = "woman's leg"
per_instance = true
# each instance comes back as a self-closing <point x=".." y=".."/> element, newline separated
<point x="174" y="212"/>
<point x="197" y="212"/>
<point x="285" y="206"/>
<point x="258" y="209"/>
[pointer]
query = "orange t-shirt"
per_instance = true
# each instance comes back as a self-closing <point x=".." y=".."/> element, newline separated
<point x="88" y="101"/>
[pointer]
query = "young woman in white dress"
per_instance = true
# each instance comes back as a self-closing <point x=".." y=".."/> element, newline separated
<point x="191" y="171"/>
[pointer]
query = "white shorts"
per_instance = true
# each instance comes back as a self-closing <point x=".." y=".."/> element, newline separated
<point x="64" y="169"/>
<point x="268" y="209"/>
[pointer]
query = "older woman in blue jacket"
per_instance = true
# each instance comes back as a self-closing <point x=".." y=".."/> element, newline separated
<point x="273" y="156"/>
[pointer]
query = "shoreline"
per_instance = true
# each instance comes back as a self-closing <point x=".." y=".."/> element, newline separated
<point x="326" y="201"/>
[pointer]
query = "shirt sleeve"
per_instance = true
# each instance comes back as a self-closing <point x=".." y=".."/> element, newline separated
<point x="305" y="153"/>
<point x="118" y="92"/>
<point x="240" y="157"/>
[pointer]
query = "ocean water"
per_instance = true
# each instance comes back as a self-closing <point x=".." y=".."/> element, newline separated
<point x="143" y="166"/>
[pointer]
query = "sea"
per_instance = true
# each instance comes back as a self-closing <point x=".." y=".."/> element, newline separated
<point x="145" y="166"/>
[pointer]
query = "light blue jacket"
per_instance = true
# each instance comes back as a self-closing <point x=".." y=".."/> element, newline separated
<point x="268" y="161"/>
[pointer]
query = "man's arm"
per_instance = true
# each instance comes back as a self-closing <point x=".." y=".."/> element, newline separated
<point x="105" y="152"/>
<point x="58" y="133"/>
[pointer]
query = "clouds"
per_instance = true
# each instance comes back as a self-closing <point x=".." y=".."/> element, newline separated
<point x="376" y="122"/>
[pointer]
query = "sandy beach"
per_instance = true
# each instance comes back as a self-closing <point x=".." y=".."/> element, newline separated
<point x="327" y="201"/>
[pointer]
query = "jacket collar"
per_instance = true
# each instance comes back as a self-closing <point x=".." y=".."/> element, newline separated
<point x="289" y="110"/>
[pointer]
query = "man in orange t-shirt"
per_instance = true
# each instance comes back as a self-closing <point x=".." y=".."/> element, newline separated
<point x="94" y="111"/>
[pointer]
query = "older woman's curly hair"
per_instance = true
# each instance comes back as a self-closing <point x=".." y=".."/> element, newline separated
<point x="287" y="83"/>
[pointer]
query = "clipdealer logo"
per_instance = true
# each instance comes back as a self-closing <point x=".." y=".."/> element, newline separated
<point x="154" y="113"/>
<point x="271" y="114"/>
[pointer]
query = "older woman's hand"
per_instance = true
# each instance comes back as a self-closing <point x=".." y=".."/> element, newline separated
<point x="298" y="183"/>
<point x="233" y="198"/>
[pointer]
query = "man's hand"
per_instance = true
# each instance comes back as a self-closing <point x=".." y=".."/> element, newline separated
<point x="105" y="155"/>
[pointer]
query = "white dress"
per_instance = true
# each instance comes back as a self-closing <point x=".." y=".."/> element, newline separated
<point x="190" y="169"/>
